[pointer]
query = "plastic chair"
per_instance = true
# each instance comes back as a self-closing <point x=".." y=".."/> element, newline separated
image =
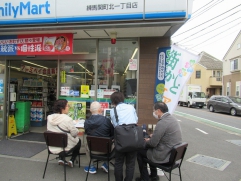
<point x="57" y="140"/>
<point x="100" y="144"/>
<point x="175" y="161"/>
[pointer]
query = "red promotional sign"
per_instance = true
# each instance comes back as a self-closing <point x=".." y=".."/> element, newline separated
<point x="104" y="105"/>
<point x="44" y="44"/>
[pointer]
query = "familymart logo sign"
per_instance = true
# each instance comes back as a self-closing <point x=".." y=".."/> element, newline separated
<point x="24" y="8"/>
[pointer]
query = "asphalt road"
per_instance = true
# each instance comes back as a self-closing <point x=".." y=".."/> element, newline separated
<point x="211" y="141"/>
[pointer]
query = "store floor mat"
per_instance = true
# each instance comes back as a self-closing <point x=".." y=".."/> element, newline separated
<point x="39" y="137"/>
<point x="20" y="148"/>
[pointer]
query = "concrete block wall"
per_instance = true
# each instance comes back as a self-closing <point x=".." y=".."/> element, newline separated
<point x="147" y="70"/>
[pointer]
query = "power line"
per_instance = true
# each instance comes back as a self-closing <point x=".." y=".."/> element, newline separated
<point x="203" y="11"/>
<point x="220" y="38"/>
<point x="205" y="22"/>
<point x="202" y="7"/>
<point x="211" y="38"/>
<point x="208" y="27"/>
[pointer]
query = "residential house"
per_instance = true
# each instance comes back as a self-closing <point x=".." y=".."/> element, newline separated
<point x="232" y="69"/>
<point x="208" y="74"/>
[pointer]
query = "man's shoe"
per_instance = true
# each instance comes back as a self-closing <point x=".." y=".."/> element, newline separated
<point x="105" y="167"/>
<point x="70" y="163"/>
<point x="61" y="162"/>
<point x="154" y="178"/>
<point x="160" y="172"/>
<point x="91" y="170"/>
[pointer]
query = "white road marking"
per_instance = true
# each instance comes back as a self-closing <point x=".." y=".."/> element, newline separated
<point x="201" y="131"/>
<point x="179" y="120"/>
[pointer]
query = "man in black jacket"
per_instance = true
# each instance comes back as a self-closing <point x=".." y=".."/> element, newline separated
<point x="97" y="125"/>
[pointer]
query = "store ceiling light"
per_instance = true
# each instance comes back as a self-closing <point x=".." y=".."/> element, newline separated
<point x="133" y="55"/>
<point x="73" y="76"/>
<point x="85" y="69"/>
<point x="14" y="68"/>
<point x="34" y="64"/>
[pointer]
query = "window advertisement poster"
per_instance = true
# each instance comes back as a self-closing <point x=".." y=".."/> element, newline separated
<point x="1" y="86"/>
<point x="104" y="105"/>
<point x="84" y="89"/>
<point x="100" y="93"/>
<point x="43" y="44"/>
<point x="160" y="73"/>
<point x="133" y="64"/>
<point x="77" y="110"/>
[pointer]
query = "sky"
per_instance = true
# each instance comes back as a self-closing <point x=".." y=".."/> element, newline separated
<point x="213" y="26"/>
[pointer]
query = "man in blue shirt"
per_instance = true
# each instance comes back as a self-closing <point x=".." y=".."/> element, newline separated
<point x="126" y="115"/>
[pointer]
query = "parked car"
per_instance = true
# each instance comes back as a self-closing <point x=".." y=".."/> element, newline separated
<point x="225" y="104"/>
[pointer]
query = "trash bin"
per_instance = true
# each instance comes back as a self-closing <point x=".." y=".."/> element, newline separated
<point x="22" y="116"/>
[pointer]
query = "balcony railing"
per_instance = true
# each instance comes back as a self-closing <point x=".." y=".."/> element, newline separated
<point x="215" y="81"/>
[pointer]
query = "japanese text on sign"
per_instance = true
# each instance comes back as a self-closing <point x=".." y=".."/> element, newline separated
<point x="98" y="7"/>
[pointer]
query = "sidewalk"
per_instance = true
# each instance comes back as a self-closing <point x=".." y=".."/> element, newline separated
<point x="31" y="169"/>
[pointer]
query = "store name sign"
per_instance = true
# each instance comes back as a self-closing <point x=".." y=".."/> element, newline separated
<point x="24" y="9"/>
<point x="61" y="11"/>
<point x="47" y="44"/>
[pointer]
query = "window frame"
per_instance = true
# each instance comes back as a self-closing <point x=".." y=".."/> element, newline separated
<point x="234" y="65"/>
<point x="199" y="74"/>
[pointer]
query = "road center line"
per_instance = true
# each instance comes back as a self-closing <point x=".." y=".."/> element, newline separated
<point x="201" y="131"/>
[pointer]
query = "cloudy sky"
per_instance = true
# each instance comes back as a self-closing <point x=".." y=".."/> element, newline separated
<point x="212" y="28"/>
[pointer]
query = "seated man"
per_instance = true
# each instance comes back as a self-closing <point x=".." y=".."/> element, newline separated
<point x="166" y="135"/>
<point x="97" y="125"/>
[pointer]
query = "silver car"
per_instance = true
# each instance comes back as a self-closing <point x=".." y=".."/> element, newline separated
<point x="225" y="104"/>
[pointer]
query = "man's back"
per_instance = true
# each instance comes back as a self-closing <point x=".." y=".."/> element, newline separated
<point x="98" y="125"/>
<point x="166" y="135"/>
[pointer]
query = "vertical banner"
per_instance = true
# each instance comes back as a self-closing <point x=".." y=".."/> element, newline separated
<point x="160" y="73"/>
<point x="180" y="65"/>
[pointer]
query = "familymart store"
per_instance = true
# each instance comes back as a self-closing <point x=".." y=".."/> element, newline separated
<point x="83" y="51"/>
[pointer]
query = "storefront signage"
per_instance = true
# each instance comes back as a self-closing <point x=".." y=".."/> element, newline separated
<point x="57" y="11"/>
<point x="160" y="73"/>
<point x="27" y="8"/>
<point x="40" y="71"/>
<point x="49" y="44"/>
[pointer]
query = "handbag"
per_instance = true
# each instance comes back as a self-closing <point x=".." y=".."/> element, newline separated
<point x="129" y="137"/>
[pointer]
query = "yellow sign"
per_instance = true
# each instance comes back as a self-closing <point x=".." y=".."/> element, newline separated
<point x="85" y="89"/>
<point x="11" y="126"/>
<point x="63" y="76"/>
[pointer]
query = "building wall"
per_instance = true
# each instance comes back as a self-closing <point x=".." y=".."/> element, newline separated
<point x="233" y="53"/>
<point x="205" y="74"/>
<point x="232" y="78"/>
<point x="147" y="72"/>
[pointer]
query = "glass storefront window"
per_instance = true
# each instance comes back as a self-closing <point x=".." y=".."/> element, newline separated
<point x="2" y="68"/>
<point x="117" y="69"/>
<point x="84" y="80"/>
<point x="76" y="78"/>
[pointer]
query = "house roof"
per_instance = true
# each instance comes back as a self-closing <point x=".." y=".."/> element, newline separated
<point x="210" y="62"/>
<point x="239" y="34"/>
